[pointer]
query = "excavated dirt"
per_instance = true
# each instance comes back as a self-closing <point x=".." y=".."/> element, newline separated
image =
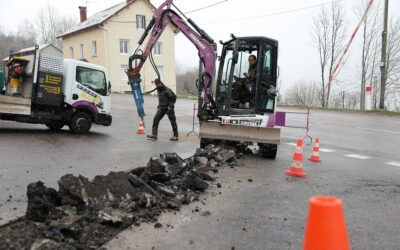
<point x="85" y="214"/>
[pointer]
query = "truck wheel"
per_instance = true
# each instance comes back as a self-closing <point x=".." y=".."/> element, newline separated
<point x="268" y="150"/>
<point x="55" y="126"/>
<point x="80" y="123"/>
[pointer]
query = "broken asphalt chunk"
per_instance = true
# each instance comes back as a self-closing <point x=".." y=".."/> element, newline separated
<point x="41" y="200"/>
<point x="195" y="183"/>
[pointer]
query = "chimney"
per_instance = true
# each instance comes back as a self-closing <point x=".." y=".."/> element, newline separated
<point x="82" y="12"/>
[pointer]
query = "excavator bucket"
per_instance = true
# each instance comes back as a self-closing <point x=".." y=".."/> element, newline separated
<point x="216" y="130"/>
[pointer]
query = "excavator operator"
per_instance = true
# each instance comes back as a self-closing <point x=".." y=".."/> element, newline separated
<point x="244" y="88"/>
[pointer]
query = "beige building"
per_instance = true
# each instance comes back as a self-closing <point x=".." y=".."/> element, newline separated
<point x="109" y="37"/>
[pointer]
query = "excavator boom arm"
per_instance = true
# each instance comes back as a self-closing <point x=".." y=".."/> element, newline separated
<point x="206" y="47"/>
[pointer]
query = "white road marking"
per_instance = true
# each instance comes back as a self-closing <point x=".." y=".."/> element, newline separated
<point x="396" y="164"/>
<point x="298" y="120"/>
<point x="362" y="157"/>
<point x="326" y="150"/>
<point x="380" y="130"/>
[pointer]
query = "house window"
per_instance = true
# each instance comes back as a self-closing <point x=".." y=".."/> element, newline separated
<point x="81" y="49"/>
<point x="71" y="52"/>
<point x="161" y="71"/>
<point x="140" y="22"/>
<point x="123" y="46"/>
<point x="94" y="48"/>
<point x="124" y="76"/>
<point x="158" y="49"/>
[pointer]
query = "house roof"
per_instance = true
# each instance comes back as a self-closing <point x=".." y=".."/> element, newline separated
<point x="100" y="17"/>
<point x="41" y="47"/>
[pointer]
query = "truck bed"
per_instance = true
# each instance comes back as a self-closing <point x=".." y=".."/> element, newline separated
<point x="15" y="105"/>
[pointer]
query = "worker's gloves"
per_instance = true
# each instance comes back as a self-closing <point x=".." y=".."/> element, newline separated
<point x="272" y="92"/>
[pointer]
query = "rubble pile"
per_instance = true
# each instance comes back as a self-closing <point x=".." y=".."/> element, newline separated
<point x="86" y="214"/>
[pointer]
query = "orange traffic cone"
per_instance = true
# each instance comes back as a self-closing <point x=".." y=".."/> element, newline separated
<point x="326" y="228"/>
<point x="141" y="128"/>
<point x="296" y="168"/>
<point x="315" y="152"/>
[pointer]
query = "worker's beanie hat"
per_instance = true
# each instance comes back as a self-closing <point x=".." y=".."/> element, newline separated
<point x="157" y="81"/>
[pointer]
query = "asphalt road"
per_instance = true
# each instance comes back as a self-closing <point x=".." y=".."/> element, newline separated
<point x="360" y="165"/>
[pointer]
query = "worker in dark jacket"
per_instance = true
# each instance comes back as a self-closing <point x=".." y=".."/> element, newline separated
<point x="244" y="88"/>
<point x="252" y="74"/>
<point x="251" y="78"/>
<point x="166" y="104"/>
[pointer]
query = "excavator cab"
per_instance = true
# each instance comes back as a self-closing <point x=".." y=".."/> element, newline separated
<point x="243" y="86"/>
<point x="246" y="96"/>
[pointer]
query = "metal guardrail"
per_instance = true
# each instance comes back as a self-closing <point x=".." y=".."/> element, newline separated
<point x="280" y="120"/>
<point x="193" y="131"/>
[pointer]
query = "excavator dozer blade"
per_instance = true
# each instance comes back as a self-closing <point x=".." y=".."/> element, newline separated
<point x="215" y="130"/>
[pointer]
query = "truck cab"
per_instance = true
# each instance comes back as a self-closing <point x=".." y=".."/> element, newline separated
<point x="246" y="95"/>
<point x="86" y="93"/>
<point x="55" y="92"/>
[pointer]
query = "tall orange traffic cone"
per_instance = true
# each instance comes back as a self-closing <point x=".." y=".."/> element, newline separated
<point x="296" y="168"/>
<point x="315" y="152"/>
<point x="326" y="227"/>
<point x="141" y="128"/>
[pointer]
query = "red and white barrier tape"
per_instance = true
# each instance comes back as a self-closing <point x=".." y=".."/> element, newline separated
<point x="345" y="51"/>
<point x="349" y="43"/>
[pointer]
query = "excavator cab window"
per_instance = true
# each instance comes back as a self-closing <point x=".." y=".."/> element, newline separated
<point x="223" y="86"/>
<point x="246" y="77"/>
<point x="266" y="88"/>
<point x="244" y="81"/>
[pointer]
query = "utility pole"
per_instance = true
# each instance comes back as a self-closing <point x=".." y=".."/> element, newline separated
<point x="383" y="57"/>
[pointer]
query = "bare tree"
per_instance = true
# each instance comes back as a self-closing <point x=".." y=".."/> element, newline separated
<point x="352" y="99"/>
<point x="393" y="59"/>
<point x="51" y="24"/>
<point x="28" y="31"/>
<point x="303" y="93"/>
<point x="22" y="38"/>
<point x="337" y="42"/>
<point x="329" y="33"/>
<point x="186" y="82"/>
<point x="321" y="28"/>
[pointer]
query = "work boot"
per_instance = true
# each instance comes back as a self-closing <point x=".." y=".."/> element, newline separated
<point x="173" y="138"/>
<point x="152" y="136"/>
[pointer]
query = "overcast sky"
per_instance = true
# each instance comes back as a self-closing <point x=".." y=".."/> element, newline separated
<point x="298" y="59"/>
